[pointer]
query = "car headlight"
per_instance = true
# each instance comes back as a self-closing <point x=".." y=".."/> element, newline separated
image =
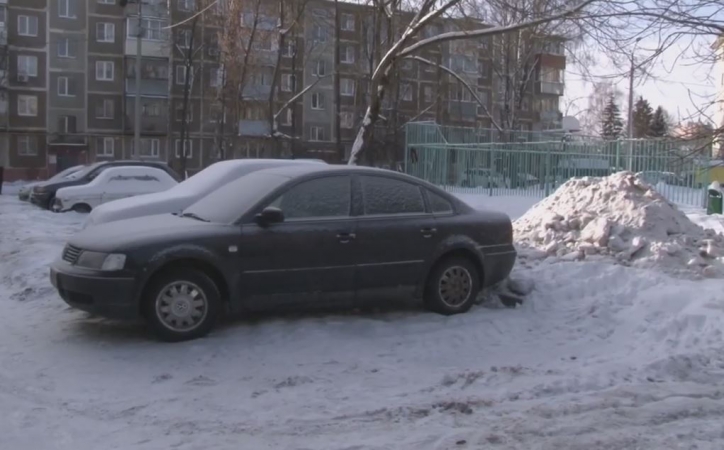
<point x="39" y="189"/>
<point x="101" y="261"/>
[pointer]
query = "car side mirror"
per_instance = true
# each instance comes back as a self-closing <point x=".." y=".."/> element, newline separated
<point x="270" y="215"/>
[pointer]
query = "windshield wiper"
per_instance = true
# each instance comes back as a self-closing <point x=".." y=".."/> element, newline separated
<point x="194" y="216"/>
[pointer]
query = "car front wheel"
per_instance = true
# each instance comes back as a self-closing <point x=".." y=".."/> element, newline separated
<point x="452" y="286"/>
<point x="181" y="304"/>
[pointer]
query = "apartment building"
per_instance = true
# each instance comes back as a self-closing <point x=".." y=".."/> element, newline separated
<point x="70" y="93"/>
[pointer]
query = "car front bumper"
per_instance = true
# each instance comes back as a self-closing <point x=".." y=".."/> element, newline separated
<point x="106" y="294"/>
<point x="39" y="199"/>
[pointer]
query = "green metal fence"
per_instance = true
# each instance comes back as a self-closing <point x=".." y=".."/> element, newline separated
<point x="534" y="164"/>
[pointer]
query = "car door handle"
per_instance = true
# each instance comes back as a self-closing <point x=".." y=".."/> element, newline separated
<point x="428" y="232"/>
<point x="346" y="237"/>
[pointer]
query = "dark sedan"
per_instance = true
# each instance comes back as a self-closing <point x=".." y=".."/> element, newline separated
<point x="296" y="235"/>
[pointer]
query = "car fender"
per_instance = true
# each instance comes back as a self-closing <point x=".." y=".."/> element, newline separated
<point x="177" y="253"/>
<point x="448" y="245"/>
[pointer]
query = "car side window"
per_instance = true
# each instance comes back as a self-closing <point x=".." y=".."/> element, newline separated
<point x="383" y="195"/>
<point x="438" y="204"/>
<point x="320" y="198"/>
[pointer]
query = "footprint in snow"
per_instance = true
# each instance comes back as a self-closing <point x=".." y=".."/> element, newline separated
<point x="202" y="381"/>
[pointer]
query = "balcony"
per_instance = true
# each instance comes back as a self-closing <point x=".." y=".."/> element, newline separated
<point x="547" y="87"/>
<point x="149" y="88"/>
<point x="551" y="115"/>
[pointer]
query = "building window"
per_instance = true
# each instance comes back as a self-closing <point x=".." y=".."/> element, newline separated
<point x="348" y="22"/>
<point x="152" y="29"/>
<point x="186" y="5"/>
<point x="320" y="69"/>
<point x="104" y="70"/>
<point x="288" y="117"/>
<point x="347" y="54"/>
<point x="27" y="66"/>
<point x="406" y="90"/>
<point x="316" y="134"/>
<point x="346" y="87"/>
<point x="104" y="109"/>
<point x="288" y="49"/>
<point x="107" y="2"/>
<point x="27" y="105"/>
<point x="347" y="120"/>
<point x="27" y="146"/>
<point x="319" y="34"/>
<point x="179" y="113"/>
<point x="262" y="78"/>
<point x="188" y="148"/>
<point x="151" y="110"/>
<point x="106" y="146"/>
<point x="105" y="32"/>
<point x="427" y="92"/>
<point x="27" y="25"/>
<point x="287" y="82"/>
<point x="470" y="65"/>
<point x="66" y="9"/>
<point x="184" y="38"/>
<point x="181" y="75"/>
<point x="318" y="100"/>
<point x="64" y="88"/>
<point x="65" y="48"/>
<point x="150" y="148"/>
<point x="217" y="77"/>
<point x="216" y="115"/>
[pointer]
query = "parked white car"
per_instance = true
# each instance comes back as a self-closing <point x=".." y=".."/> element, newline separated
<point x="113" y="184"/>
<point x="188" y="191"/>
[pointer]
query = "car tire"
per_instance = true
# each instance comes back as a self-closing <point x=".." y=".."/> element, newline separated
<point x="172" y="299"/>
<point x="82" y="208"/>
<point x="463" y="285"/>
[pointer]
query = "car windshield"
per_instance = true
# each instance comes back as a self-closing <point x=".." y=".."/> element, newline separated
<point x="65" y="173"/>
<point x="231" y="201"/>
<point x="82" y="172"/>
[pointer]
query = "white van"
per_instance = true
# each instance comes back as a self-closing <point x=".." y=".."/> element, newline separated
<point x="112" y="184"/>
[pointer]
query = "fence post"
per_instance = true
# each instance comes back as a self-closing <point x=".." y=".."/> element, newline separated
<point x="618" y="155"/>
<point x="407" y="148"/>
<point x="493" y="172"/>
<point x="547" y="172"/>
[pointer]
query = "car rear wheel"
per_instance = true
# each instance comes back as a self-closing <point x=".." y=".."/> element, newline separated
<point x="82" y="208"/>
<point x="181" y="304"/>
<point x="452" y="286"/>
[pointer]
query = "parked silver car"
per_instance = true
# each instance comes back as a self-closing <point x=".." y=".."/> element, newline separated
<point x="24" y="192"/>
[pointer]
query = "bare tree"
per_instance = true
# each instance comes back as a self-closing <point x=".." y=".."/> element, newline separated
<point x="190" y="46"/>
<point x="427" y="12"/>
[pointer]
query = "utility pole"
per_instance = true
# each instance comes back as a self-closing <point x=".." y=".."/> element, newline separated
<point x="137" y="117"/>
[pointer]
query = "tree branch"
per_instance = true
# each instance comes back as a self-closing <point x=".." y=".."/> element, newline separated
<point x="464" y="83"/>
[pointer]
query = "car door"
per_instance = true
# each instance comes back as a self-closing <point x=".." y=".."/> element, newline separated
<point x="116" y="183"/>
<point x="396" y="237"/>
<point x="310" y="256"/>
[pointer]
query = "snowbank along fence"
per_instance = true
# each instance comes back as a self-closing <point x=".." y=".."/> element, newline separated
<point x="484" y="161"/>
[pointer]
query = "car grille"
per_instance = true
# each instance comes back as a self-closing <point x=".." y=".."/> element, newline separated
<point x="71" y="254"/>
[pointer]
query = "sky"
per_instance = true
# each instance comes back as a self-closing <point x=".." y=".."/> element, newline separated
<point x="676" y="82"/>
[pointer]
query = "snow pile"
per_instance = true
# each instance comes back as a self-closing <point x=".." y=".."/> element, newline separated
<point x="620" y="219"/>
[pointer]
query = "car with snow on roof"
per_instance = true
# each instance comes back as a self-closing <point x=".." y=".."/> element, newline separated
<point x="112" y="184"/>
<point x="309" y="234"/>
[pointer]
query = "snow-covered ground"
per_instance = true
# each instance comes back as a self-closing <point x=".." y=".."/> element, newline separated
<point x="599" y="357"/>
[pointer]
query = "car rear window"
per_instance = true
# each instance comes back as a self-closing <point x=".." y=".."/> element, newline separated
<point x="387" y="196"/>
<point x="438" y="204"/>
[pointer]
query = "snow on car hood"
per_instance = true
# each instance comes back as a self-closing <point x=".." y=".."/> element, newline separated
<point x="141" y="205"/>
<point x="122" y="234"/>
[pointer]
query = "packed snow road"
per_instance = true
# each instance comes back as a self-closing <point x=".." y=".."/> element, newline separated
<point x="599" y="357"/>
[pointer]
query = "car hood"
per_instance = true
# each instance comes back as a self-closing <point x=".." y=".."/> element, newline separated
<point x="139" y="206"/>
<point x="127" y="234"/>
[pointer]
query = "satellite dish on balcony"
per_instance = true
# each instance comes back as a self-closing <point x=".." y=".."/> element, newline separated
<point x="570" y="124"/>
